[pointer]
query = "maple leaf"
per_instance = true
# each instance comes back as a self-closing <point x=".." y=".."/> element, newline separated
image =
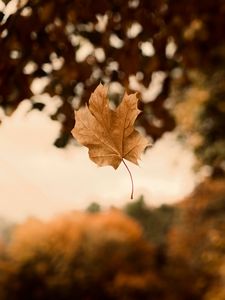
<point x="110" y="134"/>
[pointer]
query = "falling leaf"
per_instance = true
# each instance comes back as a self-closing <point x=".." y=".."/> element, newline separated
<point x="109" y="134"/>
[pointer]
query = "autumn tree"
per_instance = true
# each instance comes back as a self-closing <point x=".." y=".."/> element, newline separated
<point x="87" y="256"/>
<point x="196" y="246"/>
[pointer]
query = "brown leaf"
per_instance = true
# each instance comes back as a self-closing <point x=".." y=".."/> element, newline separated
<point x="109" y="134"/>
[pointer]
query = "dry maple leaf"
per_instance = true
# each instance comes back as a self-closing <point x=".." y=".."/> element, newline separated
<point x="110" y="134"/>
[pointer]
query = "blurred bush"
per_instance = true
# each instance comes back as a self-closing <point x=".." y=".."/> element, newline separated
<point x="86" y="256"/>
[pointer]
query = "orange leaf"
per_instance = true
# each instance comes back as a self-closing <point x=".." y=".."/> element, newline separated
<point x="109" y="134"/>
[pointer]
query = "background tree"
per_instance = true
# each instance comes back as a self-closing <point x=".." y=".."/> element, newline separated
<point x="156" y="222"/>
<point x="81" y="255"/>
<point x="196" y="246"/>
<point x="133" y="44"/>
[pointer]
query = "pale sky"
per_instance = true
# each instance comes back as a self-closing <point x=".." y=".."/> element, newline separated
<point x="37" y="179"/>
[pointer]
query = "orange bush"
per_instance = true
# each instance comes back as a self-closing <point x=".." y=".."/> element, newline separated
<point x="81" y="255"/>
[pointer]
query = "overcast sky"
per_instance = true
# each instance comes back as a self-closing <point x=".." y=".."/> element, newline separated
<point x="37" y="179"/>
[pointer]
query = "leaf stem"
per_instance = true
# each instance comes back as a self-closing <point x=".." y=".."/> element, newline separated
<point x="132" y="183"/>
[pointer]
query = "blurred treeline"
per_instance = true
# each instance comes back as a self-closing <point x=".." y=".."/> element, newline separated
<point x="170" y="252"/>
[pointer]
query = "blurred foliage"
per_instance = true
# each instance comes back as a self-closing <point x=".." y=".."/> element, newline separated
<point x="83" y="256"/>
<point x="6" y="229"/>
<point x="155" y="222"/>
<point x="135" y="40"/>
<point x="94" y="207"/>
<point x="108" y="255"/>
<point x="200" y="113"/>
<point x="211" y="126"/>
<point x="197" y="244"/>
